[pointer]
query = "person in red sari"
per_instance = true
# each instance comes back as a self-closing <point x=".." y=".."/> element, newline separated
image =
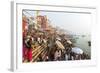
<point x="29" y="49"/>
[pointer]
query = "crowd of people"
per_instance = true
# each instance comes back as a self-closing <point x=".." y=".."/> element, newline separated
<point x="58" y="47"/>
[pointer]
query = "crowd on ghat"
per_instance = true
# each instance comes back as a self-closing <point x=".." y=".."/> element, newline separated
<point x="58" y="47"/>
<point x="40" y="44"/>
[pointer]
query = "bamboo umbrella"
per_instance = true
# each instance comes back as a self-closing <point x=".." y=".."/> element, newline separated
<point x="60" y="45"/>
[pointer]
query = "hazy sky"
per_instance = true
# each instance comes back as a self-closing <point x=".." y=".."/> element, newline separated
<point x="78" y="23"/>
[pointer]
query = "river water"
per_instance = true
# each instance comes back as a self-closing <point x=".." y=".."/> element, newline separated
<point x="82" y="42"/>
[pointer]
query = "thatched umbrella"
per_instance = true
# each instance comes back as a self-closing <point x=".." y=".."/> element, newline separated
<point x="60" y="45"/>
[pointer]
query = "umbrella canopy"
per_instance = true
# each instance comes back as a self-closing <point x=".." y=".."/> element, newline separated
<point x="69" y="42"/>
<point x="77" y="50"/>
<point x="60" y="45"/>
